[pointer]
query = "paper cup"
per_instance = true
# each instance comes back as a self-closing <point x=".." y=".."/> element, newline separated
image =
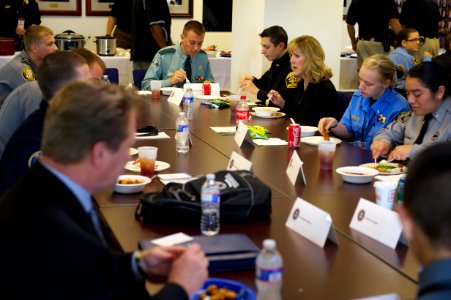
<point x="385" y="193"/>
<point x="155" y="87"/>
<point x="147" y="158"/>
<point x="326" y="155"/>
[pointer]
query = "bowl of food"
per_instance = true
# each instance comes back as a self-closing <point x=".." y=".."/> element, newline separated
<point x="358" y="175"/>
<point x="130" y="184"/>
<point x="218" y="288"/>
<point x="265" y="111"/>
<point x="308" y="130"/>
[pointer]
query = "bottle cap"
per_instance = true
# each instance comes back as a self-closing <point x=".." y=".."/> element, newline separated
<point x="210" y="176"/>
<point x="269" y="244"/>
<point x="243" y="97"/>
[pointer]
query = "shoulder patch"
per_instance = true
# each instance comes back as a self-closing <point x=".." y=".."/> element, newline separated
<point x="167" y="50"/>
<point x="404" y="116"/>
<point x="27" y="74"/>
<point x="416" y="61"/>
<point x="26" y="61"/>
<point x="291" y="81"/>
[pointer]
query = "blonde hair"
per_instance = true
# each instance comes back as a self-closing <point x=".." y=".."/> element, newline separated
<point x="34" y="34"/>
<point x="314" y="57"/>
<point x="382" y="64"/>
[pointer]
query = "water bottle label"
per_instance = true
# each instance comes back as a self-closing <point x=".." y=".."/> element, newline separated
<point x="188" y="99"/>
<point x="182" y="128"/>
<point x="269" y="275"/>
<point x="210" y="198"/>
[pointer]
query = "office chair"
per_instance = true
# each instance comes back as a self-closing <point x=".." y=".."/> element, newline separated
<point x="138" y="76"/>
<point x="113" y="74"/>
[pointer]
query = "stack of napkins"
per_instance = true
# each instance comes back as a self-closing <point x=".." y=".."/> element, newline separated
<point x="270" y="142"/>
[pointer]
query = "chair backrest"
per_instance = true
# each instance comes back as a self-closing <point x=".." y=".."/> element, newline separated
<point x="138" y="76"/>
<point x="343" y="101"/>
<point x="113" y="74"/>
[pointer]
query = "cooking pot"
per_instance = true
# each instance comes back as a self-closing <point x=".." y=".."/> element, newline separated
<point x="69" y="40"/>
<point x="106" y="45"/>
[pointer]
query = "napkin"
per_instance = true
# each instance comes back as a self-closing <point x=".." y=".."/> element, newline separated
<point x="161" y="135"/>
<point x="224" y="130"/>
<point x="270" y="142"/>
<point x="390" y="178"/>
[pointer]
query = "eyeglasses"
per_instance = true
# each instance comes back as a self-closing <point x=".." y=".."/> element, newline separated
<point x="417" y="40"/>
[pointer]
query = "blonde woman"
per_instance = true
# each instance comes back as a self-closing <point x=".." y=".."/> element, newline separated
<point x="373" y="106"/>
<point x="315" y="96"/>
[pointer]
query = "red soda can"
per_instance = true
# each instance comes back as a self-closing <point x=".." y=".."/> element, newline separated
<point x="294" y="136"/>
<point x="207" y="88"/>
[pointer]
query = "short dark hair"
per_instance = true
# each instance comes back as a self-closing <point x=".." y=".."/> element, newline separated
<point x="57" y="69"/>
<point x="431" y="75"/>
<point x="403" y="35"/>
<point x="276" y="35"/>
<point x="195" y="26"/>
<point x="90" y="57"/>
<point x="427" y="193"/>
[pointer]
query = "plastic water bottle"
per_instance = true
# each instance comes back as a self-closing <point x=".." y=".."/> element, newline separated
<point x="106" y="80"/>
<point x="188" y="100"/>
<point x="242" y="111"/>
<point x="210" y="200"/>
<point x="269" y="272"/>
<point x="182" y="133"/>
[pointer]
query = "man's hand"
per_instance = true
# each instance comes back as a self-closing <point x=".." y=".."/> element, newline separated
<point x="379" y="148"/>
<point x="178" y="76"/>
<point x="400" y="153"/>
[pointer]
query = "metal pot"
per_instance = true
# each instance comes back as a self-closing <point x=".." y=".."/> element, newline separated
<point x="69" y="40"/>
<point x="106" y="45"/>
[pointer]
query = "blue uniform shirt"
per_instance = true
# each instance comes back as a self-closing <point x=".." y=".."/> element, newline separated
<point x="400" y="56"/>
<point x="364" y="121"/>
<point x="172" y="58"/>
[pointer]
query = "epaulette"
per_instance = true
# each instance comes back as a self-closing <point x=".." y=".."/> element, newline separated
<point x="167" y="50"/>
<point x="26" y="61"/>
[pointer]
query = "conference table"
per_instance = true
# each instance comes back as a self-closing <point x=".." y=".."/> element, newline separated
<point x="358" y="267"/>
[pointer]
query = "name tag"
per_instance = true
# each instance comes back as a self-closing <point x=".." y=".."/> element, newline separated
<point x="355" y="118"/>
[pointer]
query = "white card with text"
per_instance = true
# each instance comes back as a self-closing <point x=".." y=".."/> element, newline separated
<point x="242" y="134"/>
<point x="294" y="166"/>
<point x="311" y="222"/>
<point x="238" y="162"/>
<point x="377" y="222"/>
<point x="176" y="97"/>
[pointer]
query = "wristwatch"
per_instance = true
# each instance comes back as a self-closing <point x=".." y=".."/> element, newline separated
<point x="139" y="259"/>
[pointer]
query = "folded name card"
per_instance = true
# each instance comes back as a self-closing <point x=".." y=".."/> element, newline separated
<point x="311" y="222"/>
<point x="294" y="166"/>
<point x="238" y="162"/>
<point x="377" y="222"/>
<point x="242" y="134"/>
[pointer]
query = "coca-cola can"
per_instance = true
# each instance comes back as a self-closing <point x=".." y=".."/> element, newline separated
<point x="294" y="136"/>
<point x="207" y="88"/>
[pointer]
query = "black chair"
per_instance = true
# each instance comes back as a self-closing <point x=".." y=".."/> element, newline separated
<point x="113" y="74"/>
<point x="138" y="76"/>
<point x="343" y="101"/>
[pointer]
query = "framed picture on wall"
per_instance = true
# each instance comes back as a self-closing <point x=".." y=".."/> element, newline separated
<point x="60" y="7"/>
<point x="99" y="7"/>
<point x="181" y="8"/>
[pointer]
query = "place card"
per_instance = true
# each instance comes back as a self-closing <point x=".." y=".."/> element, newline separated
<point x="172" y="239"/>
<point x="242" y="134"/>
<point x="377" y="222"/>
<point x="311" y="222"/>
<point x="238" y="162"/>
<point x="176" y="96"/>
<point x="294" y="166"/>
<point x="270" y="142"/>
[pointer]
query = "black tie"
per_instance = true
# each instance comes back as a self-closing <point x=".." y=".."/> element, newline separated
<point x="93" y="214"/>
<point x="423" y="130"/>
<point x="188" y="68"/>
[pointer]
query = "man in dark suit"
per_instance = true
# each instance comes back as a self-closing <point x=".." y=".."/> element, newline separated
<point x="53" y="246"/>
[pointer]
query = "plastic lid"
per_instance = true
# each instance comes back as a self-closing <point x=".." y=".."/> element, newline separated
<point x="210" y="176"/>
<point x="269" y="244"/>
<point x="105" y="76"/>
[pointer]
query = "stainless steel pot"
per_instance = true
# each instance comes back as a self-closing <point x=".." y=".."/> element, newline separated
<point x="106" y="45"/>
<point x="69" y="40"/>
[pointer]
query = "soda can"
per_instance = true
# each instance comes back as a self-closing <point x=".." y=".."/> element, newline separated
<point x="294" y="136"/>
<point x="207" y="88"/>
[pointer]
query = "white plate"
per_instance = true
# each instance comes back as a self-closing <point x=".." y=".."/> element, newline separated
<point x="135" y="167"/>
<point x="168" y="90"/>
<point x="393" y="172"/>
<point x="131" y="188"/>
<point x="357" y="174"/>
<point x="315" y="140"/>
<point x="133" y="151"/>
<point x="269" y="117"/>
<point x="308" y="130"/>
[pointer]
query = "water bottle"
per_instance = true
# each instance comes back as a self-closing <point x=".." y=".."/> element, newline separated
<point x="106" y="80"/>
<point x="242" y="111"/>
<point x="188" y="100"/>
<point x="182" y="134"/>
<point x="269" y="272"/>
<point x="210" y="200"/>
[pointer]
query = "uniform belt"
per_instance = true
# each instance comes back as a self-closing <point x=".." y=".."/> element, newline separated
<point x="369" y="39"/>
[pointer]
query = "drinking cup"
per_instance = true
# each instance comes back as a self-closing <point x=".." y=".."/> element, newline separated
<point x="147" y="157"/>
<point x="234" y="100"/>
<point x="155" y="87"/>
<point x="326" y="155"/>
<point x="385" y="193"/>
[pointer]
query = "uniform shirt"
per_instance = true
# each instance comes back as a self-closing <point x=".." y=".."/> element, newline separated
<point x="319" y="100"/>
<point x="364" y="120"/>
<point x="144" y="14"/>
<point x="19" y="70"/>
<point x="122" y="11"/>
<point x="400" y="56"/>
<point x="172" y="58"/>
<point x="274" y="78"/>
<point x="372" y="17"/>
<point x="15" y="110"/>
<point x="407" y="128"/>
<point x="435" y="281"/>
<point x="423" y="15"/>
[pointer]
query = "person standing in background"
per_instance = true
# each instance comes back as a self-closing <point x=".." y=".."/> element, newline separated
<point x="373" y="18"/>
<point x="16" y="16"/>
<point x="424" y="16"/>
<point x="121" y="17"/>
<point x="151" y="31"/>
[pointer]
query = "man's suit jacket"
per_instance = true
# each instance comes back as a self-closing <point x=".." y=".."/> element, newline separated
<point x="50" y="250"/>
